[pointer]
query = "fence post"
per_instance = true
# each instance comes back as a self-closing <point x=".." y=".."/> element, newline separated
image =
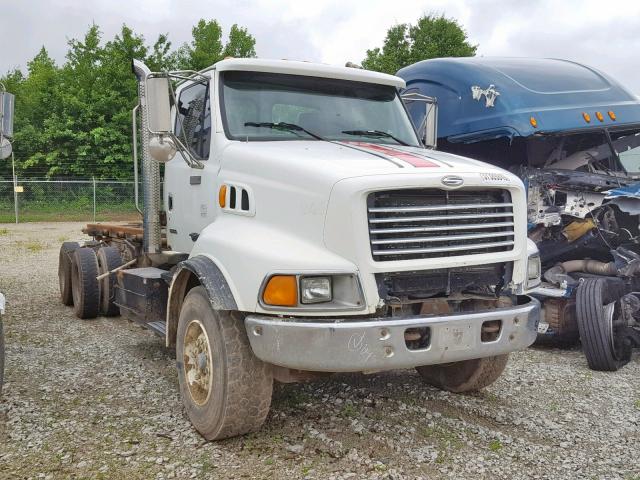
<point x="15" y="186"/>
<point x="94" y="199"/>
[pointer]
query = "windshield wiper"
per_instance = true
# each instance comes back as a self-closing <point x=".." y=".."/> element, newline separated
<point x="290" y="127"/>
<point x="375" y="134"/>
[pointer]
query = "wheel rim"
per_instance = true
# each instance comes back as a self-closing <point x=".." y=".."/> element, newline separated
<point x="198" y="363"/>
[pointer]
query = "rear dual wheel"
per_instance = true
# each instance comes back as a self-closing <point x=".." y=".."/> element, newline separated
<point x="65" y="259"/>
<point x="78" y="268"/>
<point x="84" y="284"/>
<point x="108" y="259"/>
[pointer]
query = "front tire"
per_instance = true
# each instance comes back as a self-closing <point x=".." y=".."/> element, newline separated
<point x="225" y="388"/>
<point x="465" y="376"/>
<point x="597" y="308"/>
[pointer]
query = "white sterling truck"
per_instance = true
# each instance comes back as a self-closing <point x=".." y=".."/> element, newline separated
<point x="305" y="229"/>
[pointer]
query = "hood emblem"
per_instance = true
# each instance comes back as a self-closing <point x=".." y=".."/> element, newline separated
<point x="452" y="181"/>
<point x="490" y="94"/>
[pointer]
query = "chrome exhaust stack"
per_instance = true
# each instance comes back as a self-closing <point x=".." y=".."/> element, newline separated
<point x="152" y="236"/>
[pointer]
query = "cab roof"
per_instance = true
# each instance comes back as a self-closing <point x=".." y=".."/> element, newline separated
<point x="555" y="92"/>
<point x="292" y="67"/>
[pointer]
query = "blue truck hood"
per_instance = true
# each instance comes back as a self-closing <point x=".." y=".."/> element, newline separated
<point x="554" y="92"/>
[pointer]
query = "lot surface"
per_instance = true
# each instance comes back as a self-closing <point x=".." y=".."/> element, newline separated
<point x="99" y="399"/>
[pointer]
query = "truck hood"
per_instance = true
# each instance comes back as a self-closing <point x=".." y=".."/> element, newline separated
<point x="348" y="159"/>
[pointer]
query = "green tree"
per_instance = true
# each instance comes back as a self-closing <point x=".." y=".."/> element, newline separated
<point x="207" y="48"/>
<point x="75" y="119"/>
<point x="241" y="43"/>
<point x="431" y="37"/>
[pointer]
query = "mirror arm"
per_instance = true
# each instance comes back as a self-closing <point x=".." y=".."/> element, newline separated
<point x="190" y="160"/>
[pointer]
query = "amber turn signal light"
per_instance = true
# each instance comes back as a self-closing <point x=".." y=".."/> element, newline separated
<point x="612" y="115"/>
<point x="222" y="196"/>
<point x="587" y="117"/>
<point x="282" y="291"/>
<point x="533" y="122"/>
<point x="599" y="116"/>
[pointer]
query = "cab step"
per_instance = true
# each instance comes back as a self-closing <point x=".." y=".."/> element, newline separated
<point x="159" y="328"/>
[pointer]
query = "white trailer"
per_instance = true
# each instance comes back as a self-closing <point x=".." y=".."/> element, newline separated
<point x="306" y="229"/>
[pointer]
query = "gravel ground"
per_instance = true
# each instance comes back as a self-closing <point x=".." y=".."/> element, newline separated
<point x="99" y="399"/>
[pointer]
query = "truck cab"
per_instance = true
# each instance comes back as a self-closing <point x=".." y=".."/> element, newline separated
<point x="572" y="134"/>
<point x="306" y="230"/>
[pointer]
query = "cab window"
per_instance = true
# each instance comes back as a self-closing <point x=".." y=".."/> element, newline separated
<point x="193" y="119"/>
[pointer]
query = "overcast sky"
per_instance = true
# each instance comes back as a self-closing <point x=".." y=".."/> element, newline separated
<point x="603" y="34"/>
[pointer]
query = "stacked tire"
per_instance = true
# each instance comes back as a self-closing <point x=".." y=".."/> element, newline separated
<point x="78" y="269"/>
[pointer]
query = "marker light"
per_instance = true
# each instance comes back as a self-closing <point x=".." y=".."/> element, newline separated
<point x="586" y="117"/>
<point x="533" y="122"/>
<point x="281" y="290"/>
<point x="599" y="116"/>
<point x="612" y="115"/>
<point x="222" y="196"/>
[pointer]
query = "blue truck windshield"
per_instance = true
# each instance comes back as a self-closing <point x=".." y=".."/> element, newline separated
<point x="267" y="106"/>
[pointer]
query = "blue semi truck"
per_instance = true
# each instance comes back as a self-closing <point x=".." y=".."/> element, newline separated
<point x="572" y="133"/>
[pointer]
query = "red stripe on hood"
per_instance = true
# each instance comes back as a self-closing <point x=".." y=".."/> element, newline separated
<point x="410" y="158"/>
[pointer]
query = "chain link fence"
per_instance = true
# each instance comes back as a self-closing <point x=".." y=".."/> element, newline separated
<point x="42" y="200"/>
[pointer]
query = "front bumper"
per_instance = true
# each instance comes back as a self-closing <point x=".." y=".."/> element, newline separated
<point x="379" y="343"/>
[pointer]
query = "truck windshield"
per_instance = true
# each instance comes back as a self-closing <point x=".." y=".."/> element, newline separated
<point x="589" y="151"/>
<point x="627" y="144"/>
<point x="268" y="106"/>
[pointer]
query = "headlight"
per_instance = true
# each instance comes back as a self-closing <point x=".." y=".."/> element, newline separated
<point x="333" y="291"/>
<point x="315" y="289"/>
<point x="534" y="270"/>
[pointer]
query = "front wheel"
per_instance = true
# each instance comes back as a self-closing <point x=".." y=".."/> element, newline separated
<point x="598" y="308"/>
<point x="465" y="376"/>
<point x="225" y="388"/>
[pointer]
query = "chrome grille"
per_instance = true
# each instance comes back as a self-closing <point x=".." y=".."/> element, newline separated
<point x="433" y="223"/>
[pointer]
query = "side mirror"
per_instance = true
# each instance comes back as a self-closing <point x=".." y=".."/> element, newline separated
<point x="158" y="105"/>
<point x="431" y="125"/>
<point x="428" y="128"/>
<point x="7" y="102"/>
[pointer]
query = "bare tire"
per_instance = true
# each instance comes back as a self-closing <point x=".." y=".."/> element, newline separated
<point x="225" y="388"/>
<point x="597" y="308"/>
<point x="64" y="271"/>
<point x="465" y="376"/>
<point x="108" y="259"/>
<point x="84" y="285"/>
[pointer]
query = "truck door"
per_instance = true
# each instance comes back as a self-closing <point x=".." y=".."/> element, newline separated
<point x="190" y="192"/>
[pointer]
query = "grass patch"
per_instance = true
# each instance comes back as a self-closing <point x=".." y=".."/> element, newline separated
<point x="495" y="445"/>
<point x="4" y="231"/>
<point x="349" y="411"/>
<point x="33" y="246"/>
<point x="637" y="404"/>
<point x="67" y="212"/>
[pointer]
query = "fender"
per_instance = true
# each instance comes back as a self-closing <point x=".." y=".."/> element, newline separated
<point x="198" y="270"/>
